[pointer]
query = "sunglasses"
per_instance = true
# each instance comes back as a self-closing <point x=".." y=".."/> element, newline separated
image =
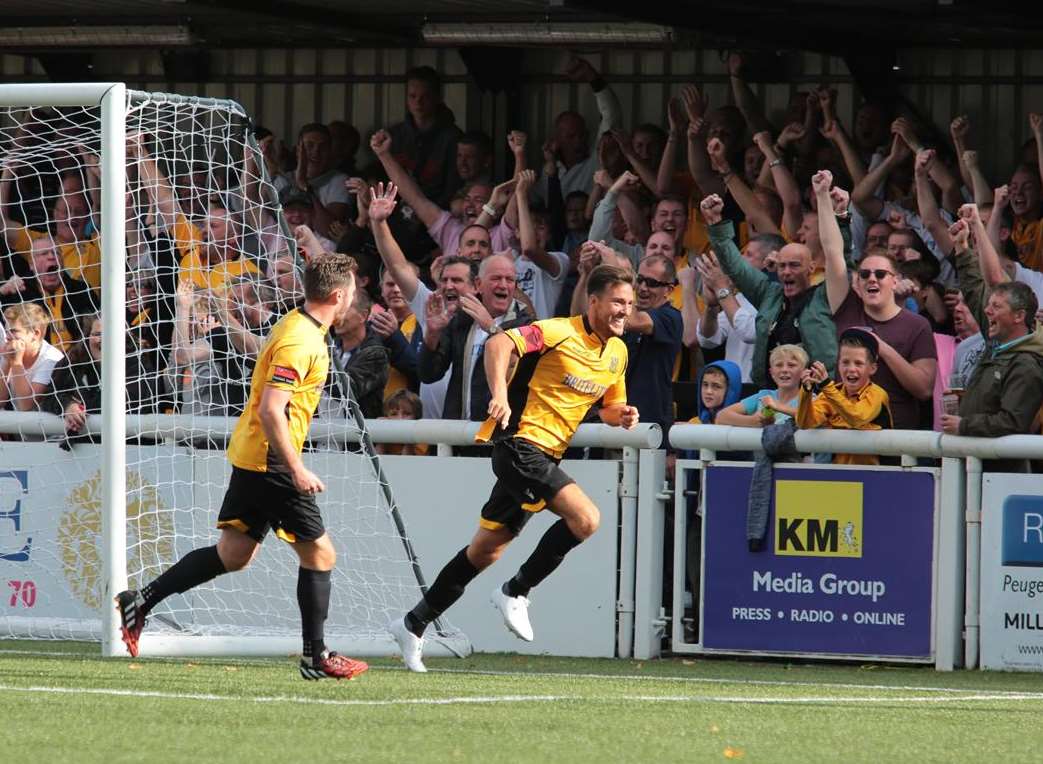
<point x="654" y="283"/>
<point x="880" y="273"/>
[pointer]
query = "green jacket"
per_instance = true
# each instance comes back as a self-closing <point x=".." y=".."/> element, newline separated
<point x="1006" y="389"/>
<point x="816" y="326"/>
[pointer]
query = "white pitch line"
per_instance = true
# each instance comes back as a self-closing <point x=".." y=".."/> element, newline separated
<point x="495" y="699"/>
<point x="720" y="680"/>
<point x="210" y="661"/>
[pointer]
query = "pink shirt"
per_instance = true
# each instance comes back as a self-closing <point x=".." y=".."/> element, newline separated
<point x="447" y="229"/>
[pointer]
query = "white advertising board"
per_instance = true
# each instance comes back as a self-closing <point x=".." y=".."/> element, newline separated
<point x="1012" y="572"/>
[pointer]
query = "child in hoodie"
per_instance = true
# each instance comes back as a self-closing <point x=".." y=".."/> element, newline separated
<point x="720" y="385"/>
<point x="855" y="403"/>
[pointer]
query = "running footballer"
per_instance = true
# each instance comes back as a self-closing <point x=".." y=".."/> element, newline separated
<point x="564" y="366"/>
<point x="270" y="487"/>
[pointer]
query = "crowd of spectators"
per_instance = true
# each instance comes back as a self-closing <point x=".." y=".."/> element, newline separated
<point x="857" y="276"/>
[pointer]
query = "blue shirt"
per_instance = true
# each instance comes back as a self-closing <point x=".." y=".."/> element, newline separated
<point x="650" y="367"/>
<point x="752" y="404"/>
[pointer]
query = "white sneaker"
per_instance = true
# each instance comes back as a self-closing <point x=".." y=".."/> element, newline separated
<point x="515" y="612"/>
<point x="409" y="644"/>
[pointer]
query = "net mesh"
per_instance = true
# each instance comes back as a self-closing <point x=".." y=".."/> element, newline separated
<point x="210" y="268"/>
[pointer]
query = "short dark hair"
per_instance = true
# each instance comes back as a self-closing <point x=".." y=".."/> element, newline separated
<point x="924" y="270"/>
<point x="650" y="128"/>
<point x="328" y="271"/>
<point x="472" y="265"/>
<point x="314" y="127"/>
<point x="577" y="195"/>
<point x="428" y="76"/>
<point x="710" y="370"/>
<point x="362" y="303"/>
<point x="772" y="241"/>
<point x="674" y="198"/>
<point x="605" y="276"/>
<point x="853" y="341"/>
<point x="477" y="138"/>
<point x="407" y="397"/>
<point x="1020" y="297"/>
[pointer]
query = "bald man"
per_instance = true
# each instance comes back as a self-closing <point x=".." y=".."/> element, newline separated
<point x="792" y="311"/>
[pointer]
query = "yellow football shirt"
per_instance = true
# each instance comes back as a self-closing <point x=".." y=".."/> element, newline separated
<point x="564" y="370"/>
<point x="295" y="358"/>
<point x="193" y="267"/>
<point x="80" y="259"/>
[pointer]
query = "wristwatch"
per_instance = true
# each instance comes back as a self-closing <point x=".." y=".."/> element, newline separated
<point x="494" y="329"/>
<point x="724" y="293"/>
<point x="490" y="210"/>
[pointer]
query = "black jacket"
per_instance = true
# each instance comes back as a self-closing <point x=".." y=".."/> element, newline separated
<point x="453" y="346"/>
<point x="80" y="380"/>
<point x="367" y="370"/>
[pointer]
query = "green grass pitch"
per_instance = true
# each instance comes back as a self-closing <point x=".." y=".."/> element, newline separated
<point x="63" y="703"/>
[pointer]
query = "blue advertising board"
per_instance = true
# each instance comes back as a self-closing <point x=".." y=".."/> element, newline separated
<point x="846" y="567"/>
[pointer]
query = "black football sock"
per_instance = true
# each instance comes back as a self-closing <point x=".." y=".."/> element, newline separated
<point x="548" y="554"/>
<point x="195" y="568"/>
<point x="313" y="598"/>
<point x="447" y="589"/>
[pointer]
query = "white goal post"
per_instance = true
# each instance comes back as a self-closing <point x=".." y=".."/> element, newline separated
<point x="176" y="485"/>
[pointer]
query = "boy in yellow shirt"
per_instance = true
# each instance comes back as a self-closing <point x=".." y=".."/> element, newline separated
<point x="855" y="403"/>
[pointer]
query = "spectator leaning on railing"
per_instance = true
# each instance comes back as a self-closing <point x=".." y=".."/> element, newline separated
<point x="1005" y="391"/>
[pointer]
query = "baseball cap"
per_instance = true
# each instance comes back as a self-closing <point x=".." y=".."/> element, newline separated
<point x="864" y="337"/>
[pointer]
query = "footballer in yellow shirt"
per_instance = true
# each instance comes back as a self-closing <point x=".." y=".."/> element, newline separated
<point x="270" y="487"/>
<point x="563" y="367"/>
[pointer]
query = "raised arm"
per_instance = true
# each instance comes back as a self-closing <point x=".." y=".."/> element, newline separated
<point x="502" y="201"/>
<point x="527" y="231"/>
<point x="952" y="197"/>
<point x="969" y="270"/>
<point x="756" y="215"/>
<point x="1000" y="200"/>
<point x="1036" y="123"/>
<point x="988" y="258"/>
<point x="157" y="185"/>
<point x="958" y="130"/>
<point x="750" y="281"/>
<point x="698" y="160"/>
<point x="668" y="162"/>
<point x="864" y="193"/>
<point x="186" y="351"/>
<point x="687" y="278"/>
<point x="641" y="168"/>
<point x="516" y="142"/>
<point x="834" y="132"/>
<point x="14" y="232"/>
<point x="745" y="99"/>
<point x="623" y="189"/>
<point x="785" y="183"/>
<point x="380" y="209"/>
<point x="837" y="284"/>
<point x="426" y="210"/>
<point x="927" y="204"/>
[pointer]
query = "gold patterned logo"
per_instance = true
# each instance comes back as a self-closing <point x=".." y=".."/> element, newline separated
<point x="150" y="537"/>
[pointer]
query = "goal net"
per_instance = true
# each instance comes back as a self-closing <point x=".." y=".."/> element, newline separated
<point x="207" y="265"/>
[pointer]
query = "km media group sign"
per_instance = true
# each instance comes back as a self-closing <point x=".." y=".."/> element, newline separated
<point x="847" y="567"/>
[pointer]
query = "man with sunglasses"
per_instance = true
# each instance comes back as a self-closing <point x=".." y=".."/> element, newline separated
<point x="908" y="358"/>
<point x="653" y="339"/>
